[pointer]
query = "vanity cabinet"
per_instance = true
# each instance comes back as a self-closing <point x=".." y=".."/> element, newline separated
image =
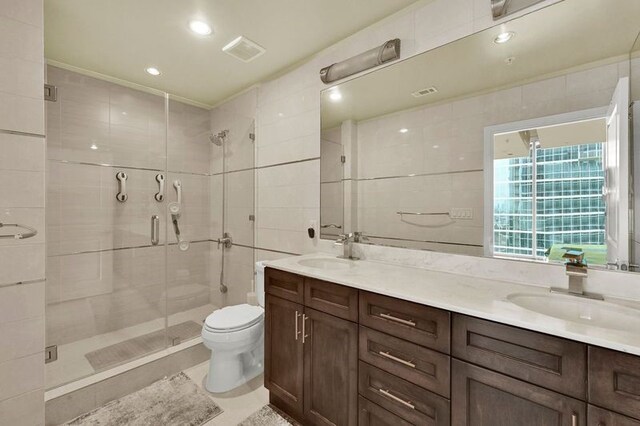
<point x="335" y="355"/>
<point x="482" y="397"/>
<point x="311" y="355"/>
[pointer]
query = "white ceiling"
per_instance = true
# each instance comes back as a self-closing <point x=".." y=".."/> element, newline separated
<point x="563" y="36"/>
<point x="120" y="38"/>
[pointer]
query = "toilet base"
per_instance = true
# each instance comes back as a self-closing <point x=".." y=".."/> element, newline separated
<point x="228" y="371"/>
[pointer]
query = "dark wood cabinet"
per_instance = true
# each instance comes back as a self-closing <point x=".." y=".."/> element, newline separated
<point x="426" y="326"/>
<point x="547" y="361"/>
<point x="614" y="381"/>
<point x="416" y="364"/>
<point x="284" y="285"/>
<point x="600" y="417"/>
<point x="284" y="353"/>
<point x="374" y="415"/>
<point x="330" y="370"/>
<point x="333" y="299"/>
<point x="402" y="398"/>
<point x="480" y="397"/>
<point x="337" y="356"/>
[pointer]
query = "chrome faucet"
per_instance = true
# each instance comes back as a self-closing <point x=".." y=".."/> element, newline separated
<point x="576" y="269"/>
<point x="347" y="240"/>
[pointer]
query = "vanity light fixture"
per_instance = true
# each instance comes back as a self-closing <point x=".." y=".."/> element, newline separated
<point x="200" y="28"/>
<point x="335" y="96"/>
<point x="153" y="71"/>
<point x="504" y="37"/>
<point x="403" y="130"/>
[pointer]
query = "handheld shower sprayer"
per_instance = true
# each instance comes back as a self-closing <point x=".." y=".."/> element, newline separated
<point x="175" y="209"/>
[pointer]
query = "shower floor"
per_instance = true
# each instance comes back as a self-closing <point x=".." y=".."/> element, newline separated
<point x="72" y="363"/>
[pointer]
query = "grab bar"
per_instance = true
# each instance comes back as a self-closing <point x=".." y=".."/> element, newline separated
<point x="19" y="235"/>
<point x="331" y="225"/>
<point x="424" y="214"/>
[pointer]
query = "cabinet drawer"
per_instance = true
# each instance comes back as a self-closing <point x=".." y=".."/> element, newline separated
<point x="548" y="361"/>
<point x="599" y="417"/>
<point x="402" y="398"/>
<point x="334" y="299"/>
<point x="371" y="414"/>
<point x="481" y="397"/>
<point x="285" y="285"/>
<point x="614" y="381"/>
<point x="429" y="327"/>
<point x="421" y="366"/>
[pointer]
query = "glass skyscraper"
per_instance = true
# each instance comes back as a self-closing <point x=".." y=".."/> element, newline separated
<point x="549" y="200"/>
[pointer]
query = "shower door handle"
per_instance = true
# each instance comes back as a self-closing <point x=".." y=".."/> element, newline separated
<point x="155" y="230"/>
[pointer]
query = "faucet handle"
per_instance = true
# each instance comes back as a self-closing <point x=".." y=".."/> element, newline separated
<point x="574" y="256"/>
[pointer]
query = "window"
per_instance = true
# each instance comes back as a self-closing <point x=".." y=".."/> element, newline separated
<point x="547" y="196"/>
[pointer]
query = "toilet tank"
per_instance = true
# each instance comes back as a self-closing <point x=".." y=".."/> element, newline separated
<point x="260" y="282"/>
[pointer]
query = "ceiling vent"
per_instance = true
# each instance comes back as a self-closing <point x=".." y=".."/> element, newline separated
<point x="424" y="92"/>
<point x="244" y="49"/>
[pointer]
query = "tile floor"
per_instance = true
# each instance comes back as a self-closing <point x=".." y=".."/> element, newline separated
<point x="237" y="404"/>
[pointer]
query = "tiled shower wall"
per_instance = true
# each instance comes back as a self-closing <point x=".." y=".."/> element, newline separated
<point x="22" y="262"/>
<point x="103" y="273"/>
<point x="288" y="148"/>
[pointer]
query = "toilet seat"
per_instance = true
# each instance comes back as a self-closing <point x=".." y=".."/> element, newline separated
<point x="234" y="318"/>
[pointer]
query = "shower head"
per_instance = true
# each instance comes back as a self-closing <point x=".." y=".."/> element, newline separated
<point x="218" y="138"/>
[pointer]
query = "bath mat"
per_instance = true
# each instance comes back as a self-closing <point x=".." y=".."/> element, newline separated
<point x="172" y="401"/>
<point x="267" y="416"/>
<point x="113" y="355"/>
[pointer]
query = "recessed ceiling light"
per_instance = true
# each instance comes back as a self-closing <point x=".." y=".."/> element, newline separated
<point x="94" y="146"/>
<point x="403" y="130"/>
<point x="153" y="71"/>
<point x="504" y="37"/>
<point x="335" y="96"/>
<point x="200" y="28"/>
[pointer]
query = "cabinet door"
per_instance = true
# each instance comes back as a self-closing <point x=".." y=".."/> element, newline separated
<point x="330" y="370"/>
<point x="614" y="381"/>
<point x="284" y="354"/>
<point x="601" y="417"/>
<point x="481" y="397"/>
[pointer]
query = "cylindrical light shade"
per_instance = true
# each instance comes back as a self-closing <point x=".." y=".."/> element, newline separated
<point x="364" y="61"/>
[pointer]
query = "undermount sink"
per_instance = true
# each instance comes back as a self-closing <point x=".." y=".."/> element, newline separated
<point x="584" y="311"/>
<point x="328" y="263"/>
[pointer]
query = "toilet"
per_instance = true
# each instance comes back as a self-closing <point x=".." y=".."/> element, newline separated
<point x="235" y="335"/>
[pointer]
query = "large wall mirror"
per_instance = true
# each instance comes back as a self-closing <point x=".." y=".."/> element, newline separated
<point x="513" y="142"/>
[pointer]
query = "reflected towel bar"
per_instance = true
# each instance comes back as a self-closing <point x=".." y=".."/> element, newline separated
<point x="423" y="214"/>
<point x="19" y="235"/>
<point x="331" y="225"/>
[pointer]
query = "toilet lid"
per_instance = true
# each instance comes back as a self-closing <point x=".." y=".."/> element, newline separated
<point x="232" y="318"/>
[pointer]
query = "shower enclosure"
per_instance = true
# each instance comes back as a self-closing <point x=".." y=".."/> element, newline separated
<point x="131" y="173"/>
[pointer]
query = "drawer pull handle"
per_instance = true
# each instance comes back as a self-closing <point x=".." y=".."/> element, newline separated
<point x="396" y="359"/>
<point x="396" y="399"/>
<point x="400" y="320"/>
<point x="574" y="419"/>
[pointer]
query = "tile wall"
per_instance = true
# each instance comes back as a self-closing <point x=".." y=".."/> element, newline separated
<point x="22" y="200"/>
<point x="289" y="118"/>
<point x="446" y="142"/>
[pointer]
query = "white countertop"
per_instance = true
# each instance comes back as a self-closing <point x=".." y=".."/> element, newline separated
<point x="467" y="295"/>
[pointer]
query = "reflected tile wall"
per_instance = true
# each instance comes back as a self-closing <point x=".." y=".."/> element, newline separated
<point x="189" y="277"/>
<point x="239" y="206"/>
<point x="448" y="140"/>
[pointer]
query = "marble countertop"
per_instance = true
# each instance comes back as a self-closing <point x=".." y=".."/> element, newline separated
<point x="482" y="298"/>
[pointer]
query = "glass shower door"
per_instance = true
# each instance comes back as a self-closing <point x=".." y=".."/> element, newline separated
<point x="106" y="279"/>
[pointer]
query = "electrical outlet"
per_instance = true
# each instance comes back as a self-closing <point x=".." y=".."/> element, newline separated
<point x="461" y="213"/>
